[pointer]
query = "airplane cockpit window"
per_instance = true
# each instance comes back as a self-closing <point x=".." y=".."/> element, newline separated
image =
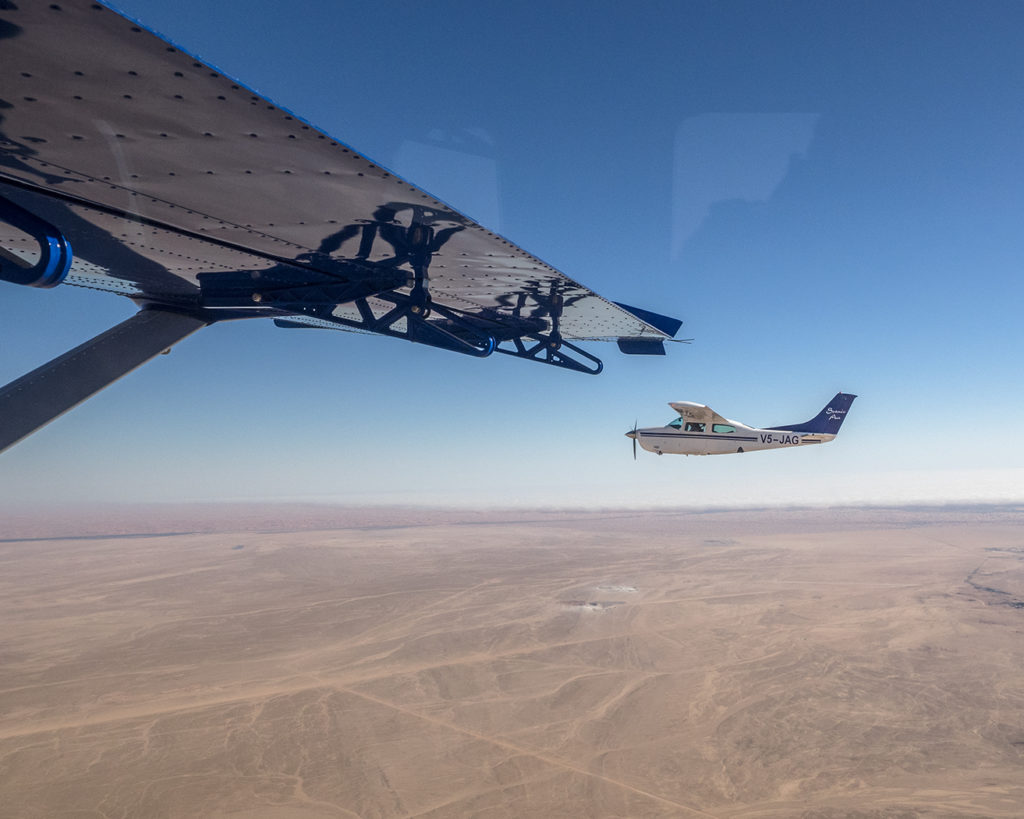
<point x="693" y="426"/>
<point x="723" y="428"/>
<point x="676" y="423"/>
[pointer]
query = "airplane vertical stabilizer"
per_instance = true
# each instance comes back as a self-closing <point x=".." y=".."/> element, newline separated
<point x="828" y="421"/>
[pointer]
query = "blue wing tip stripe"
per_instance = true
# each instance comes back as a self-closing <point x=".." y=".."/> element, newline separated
<point x="666" y="324"/>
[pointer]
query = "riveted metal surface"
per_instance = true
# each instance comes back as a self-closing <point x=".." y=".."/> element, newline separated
<point x="166" y="170"/>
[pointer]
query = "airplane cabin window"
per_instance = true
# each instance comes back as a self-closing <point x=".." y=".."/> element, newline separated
<point x="693" y="426"/>
<point x="677" y="423"/>
<point x="723" y="428"/>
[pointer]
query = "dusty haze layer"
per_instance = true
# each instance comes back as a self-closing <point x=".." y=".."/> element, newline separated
<point x="732" y="664"/>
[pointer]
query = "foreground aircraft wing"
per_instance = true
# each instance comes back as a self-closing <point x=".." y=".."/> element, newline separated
<point x="130" y="166"/>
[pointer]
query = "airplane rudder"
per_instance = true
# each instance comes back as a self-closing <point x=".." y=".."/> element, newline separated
<point x="835" y="411"/>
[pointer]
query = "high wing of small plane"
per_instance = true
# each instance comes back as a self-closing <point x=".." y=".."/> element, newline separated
<point x="699" y="430"/>
<point x="128" y="165"/>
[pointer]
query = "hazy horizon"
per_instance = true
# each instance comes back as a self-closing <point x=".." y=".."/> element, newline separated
<point x="74" y="521"/>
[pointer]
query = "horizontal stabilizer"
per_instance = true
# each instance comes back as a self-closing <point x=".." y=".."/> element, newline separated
<point x="668" y="325"/>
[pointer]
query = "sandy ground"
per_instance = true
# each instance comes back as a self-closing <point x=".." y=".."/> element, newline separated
<point x="865" y="663"/>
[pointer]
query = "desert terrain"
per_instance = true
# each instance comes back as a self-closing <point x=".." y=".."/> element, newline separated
<point x="316" y="662"/>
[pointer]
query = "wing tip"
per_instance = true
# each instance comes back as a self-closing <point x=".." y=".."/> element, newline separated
<point x="663" y="324"/>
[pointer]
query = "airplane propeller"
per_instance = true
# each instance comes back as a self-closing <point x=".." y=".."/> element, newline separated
<point x="632" y="434"/>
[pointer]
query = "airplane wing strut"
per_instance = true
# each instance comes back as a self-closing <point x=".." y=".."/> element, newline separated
<point x="47" y="392"/>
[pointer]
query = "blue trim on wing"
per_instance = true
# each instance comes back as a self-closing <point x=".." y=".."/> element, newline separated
<point x="668" y="325"/>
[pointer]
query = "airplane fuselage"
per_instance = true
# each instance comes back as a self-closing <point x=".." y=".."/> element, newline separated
<point x="741" y="438"/>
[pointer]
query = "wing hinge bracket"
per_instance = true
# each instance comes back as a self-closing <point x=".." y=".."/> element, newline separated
<point x="414" y="318"/>
<point x="552" y="349"/>
<point x="549" y="347"/>
<point x="418" y="318"/>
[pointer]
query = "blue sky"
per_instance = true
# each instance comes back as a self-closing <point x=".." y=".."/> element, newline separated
<point x="829" y="194"/>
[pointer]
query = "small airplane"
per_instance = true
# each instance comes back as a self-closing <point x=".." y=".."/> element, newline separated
<point x="699" y="430"/>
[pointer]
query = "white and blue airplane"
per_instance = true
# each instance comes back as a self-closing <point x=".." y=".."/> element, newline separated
<point x="699" y="430"/>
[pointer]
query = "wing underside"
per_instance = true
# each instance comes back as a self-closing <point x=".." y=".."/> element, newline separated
<point x="176" y="185"/>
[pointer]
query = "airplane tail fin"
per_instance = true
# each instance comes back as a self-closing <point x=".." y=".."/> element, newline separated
<point x="827" y="421"/>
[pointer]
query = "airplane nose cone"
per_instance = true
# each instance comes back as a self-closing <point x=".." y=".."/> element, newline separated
<point x="631" y="434"/>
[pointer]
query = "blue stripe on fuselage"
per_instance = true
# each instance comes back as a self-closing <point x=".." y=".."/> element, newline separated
<point x="724" y="436"/>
